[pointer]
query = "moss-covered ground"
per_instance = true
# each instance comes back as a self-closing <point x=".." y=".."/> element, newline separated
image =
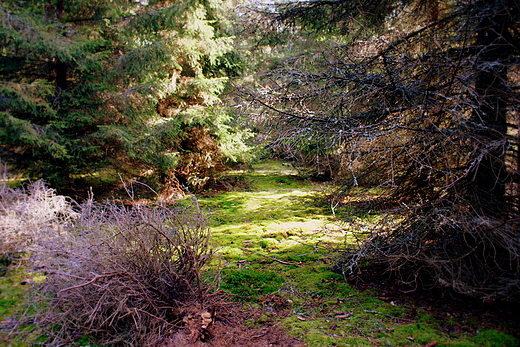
<point x="14" y="281"/>
<point x="277" y="239"/>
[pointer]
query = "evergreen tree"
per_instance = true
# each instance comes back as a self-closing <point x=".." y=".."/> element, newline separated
<point x="420" y="98"/>
<point x="86" y="84"/>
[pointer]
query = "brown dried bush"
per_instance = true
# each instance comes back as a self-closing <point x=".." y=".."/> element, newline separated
<point x="446" y="247"/>
<point x="26" y="214"/>
<point x="121" y="274"/>
<point x="200" y="159"/>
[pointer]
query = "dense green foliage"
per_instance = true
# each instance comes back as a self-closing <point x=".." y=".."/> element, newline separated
<point x="86" y="84"/>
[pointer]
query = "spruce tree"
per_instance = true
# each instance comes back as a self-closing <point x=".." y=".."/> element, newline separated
<point x="91" y="84"/>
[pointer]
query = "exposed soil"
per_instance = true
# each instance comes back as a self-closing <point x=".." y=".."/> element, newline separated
<point x="456" y="313"/>
<point x="229" y="329"/>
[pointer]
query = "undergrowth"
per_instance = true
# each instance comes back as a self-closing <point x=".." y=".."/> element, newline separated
<point x="277" y="243"/>
<point x="113" y="274"/>
<point x="288" y="229"/>
<point x="122" y="274"/>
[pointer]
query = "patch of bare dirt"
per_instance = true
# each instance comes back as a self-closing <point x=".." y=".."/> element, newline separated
<point x="227" y="327"/>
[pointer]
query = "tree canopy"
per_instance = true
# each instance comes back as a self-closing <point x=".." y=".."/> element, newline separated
<point x="86" y="84"/>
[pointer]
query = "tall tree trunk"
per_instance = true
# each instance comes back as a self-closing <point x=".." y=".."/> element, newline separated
<point x="489" y="183"/>
<point x="61" y="70"/>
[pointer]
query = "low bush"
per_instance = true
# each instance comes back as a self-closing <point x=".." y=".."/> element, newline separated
<point x="121" y="274"/>
<point x="26" y="214"/>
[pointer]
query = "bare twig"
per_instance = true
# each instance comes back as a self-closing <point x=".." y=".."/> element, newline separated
<point x="272" y="258"/>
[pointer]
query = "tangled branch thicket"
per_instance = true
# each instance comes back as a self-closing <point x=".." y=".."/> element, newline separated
<point x="420" y="101"/>
<point x="121" y="274"/>
<point x="28" y="214"/>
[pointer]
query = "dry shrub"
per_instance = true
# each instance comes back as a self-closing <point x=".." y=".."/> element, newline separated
<point x="122" y="274"/>
<point x="28" y="214"/>
<point x="446" y="246"/>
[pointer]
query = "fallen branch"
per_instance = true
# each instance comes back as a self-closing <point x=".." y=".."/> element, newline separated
<point x="272" y="258"/>
<point x="156" y="317"/>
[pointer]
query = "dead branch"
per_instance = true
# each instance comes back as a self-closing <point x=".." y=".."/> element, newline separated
<point x="274" y="259"/>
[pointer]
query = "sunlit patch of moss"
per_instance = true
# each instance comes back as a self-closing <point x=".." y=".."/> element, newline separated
<point x="274" y="167"/>
<point x="38" y="277"/>
<point x="269" y="243"/>
<point x="278" y="227"/>
<point x="275" y="220"/>
<point x="320" y="332"/>
<point x="232" y="209"/>
<point x="231" y="253"/>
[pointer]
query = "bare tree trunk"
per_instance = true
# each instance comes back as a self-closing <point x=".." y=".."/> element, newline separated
<point x="61" y="71"/>
<point x="491" y="88"/>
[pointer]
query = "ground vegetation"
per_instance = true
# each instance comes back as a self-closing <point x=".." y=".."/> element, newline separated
<point x="399" y="198"/>
<point x="275" y="243"/>
<point x="110" y="272"/>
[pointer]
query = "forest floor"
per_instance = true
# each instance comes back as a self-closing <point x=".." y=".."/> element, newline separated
<point x="277" y="238"/>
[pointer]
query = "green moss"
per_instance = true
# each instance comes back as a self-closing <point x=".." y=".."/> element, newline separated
<point x="265" y="318"/>
<point x="494" y="338"/>
<point x="231" y="253"/>
<point x="279" y="217"/>
<point x="418" y="333"/>
<point x="12" y="301"/>
<point x="320" y="332"/>
<point x="12" y="292"/>
<point x="269" y="243"/>
<point x="249" y="284"/>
